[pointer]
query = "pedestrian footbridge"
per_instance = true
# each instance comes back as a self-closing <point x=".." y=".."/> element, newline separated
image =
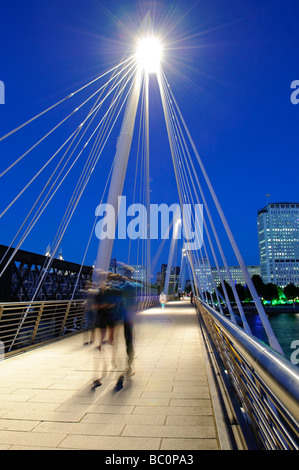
<point x="178" y="398"/>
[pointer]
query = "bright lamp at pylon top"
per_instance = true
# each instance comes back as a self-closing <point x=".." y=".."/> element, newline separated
<point x="148" y="55"/>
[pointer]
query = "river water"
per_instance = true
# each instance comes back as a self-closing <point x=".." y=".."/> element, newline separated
<point x="285" y="326"/>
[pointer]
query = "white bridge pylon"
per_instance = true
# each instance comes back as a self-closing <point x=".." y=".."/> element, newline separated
<point x="118" y="177"/>
<point x="190" y="174"/>
<point x="176" y="139"/>
<point x="148" y="52"/>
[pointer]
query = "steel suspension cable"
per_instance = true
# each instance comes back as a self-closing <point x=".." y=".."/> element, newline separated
<point x="61" y="101"/>
<point x="240" y="308"/>
<point x="44" y="204"/>
<point x="52" y="130"/>
<point x="267" y="326"/>
<point x="63" y="229"/>
<point x="51" y="258"/>
<point x="89" y="164"/>
<point x="207" y="231"/>
<point x="53" y="173"/>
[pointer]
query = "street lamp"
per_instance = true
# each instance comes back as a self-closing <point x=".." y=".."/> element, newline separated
<point x="149" y="53"/>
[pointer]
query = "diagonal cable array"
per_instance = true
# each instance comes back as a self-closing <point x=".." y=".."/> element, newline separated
<point x="86" y="143"/>
<point x="116" y="88"/>
<point x="184" y="154"/>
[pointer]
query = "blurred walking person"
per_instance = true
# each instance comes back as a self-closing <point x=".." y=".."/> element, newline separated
<point x="127" y="312"/>
<point x="90" y="313"/>
<point x="162" y="299"/>
<point x="106" y="302"/>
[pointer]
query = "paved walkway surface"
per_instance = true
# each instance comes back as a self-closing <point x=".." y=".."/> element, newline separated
<point x="46" y="401"/>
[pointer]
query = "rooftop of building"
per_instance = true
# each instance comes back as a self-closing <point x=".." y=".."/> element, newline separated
<point x="277" y="204"/>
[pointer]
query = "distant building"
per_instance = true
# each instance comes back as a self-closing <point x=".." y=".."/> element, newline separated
<point x="136" y="272"/>
<point x="278" y="237"/>
<point x="205" y="274"/>
<point x="120" y="268"/>
<point x="236" y="274"/>
<point x="161" y="275"/>
<point x="173" y="278"/>
<point x="139" y="273"/>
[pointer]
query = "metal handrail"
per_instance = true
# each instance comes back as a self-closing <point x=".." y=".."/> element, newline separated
<point x="265" y="384"/>
<point x="24" y="325"/>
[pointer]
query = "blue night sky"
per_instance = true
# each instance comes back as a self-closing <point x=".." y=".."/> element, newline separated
<point x="230" y="65"/>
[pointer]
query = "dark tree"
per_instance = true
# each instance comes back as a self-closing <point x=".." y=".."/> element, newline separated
<point x="271" y="292"/>
<point x="259" y="285"/>
<point x="291" y="291"/>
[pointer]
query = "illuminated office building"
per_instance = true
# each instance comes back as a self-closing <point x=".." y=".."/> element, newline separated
<point x="278" y="237"/>
<point x="236" y="274"/>
<point x="206" y="273"/>
<point x="203" y="275"/>
<point x="139" y="272"/>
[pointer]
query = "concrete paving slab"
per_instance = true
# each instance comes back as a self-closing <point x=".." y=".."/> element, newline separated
<point x="46" y="399"/>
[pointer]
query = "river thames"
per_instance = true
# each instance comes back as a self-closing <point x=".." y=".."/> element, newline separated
<point x="285" y="326"/>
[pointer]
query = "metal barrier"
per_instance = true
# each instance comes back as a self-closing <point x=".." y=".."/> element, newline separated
<point x="23" y="324"/>
<point x="262" y="387"/>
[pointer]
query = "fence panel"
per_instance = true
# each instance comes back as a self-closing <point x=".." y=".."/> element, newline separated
<point x="264" y="383"/>
<point x="23" y="324"/>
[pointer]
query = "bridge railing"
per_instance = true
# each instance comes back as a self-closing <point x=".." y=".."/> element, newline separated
<point x="23" y="325"/>
<point x="262" y="386"/>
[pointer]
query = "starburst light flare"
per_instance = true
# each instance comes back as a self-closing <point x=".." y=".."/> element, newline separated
<point x="149" y="53"/>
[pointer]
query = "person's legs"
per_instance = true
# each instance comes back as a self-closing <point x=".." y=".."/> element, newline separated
<point x="128" y="332"/>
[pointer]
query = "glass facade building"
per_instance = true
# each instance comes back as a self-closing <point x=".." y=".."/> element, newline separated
<point x="236" y="274"/>
<point x="278" y="238"/>
<point x="205" y="274"/>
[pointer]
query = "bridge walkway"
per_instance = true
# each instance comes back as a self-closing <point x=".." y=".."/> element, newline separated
<point x="46" y="401"/>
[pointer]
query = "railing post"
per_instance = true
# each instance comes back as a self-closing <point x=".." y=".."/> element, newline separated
<point x="39" y="315"/>
<point x="65" y="318"/>
<point x="1" y="311"/>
